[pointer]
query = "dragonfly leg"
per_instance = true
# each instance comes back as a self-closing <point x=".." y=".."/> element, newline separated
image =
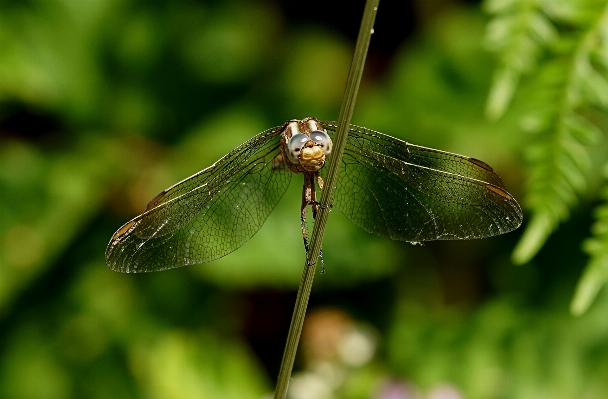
<point x="309" y="197"/>
<point x="303" y="225"/>
<point x="322" y="206"/>
<point x="314" y="201"/>
<point x="322" y="271"/>
<point x="315" y="205"/>
<point x="305" y="195"/>
<point x="312" y="198"/>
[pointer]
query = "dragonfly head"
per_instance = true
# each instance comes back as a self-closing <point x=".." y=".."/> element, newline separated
<point x="309" y="150"/>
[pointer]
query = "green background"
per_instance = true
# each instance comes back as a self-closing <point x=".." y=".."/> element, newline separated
<point x="104" y="103"/>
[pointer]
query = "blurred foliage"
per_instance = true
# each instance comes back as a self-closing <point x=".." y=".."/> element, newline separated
<point x="104" y="103"/>
<point x="562" y="49"/>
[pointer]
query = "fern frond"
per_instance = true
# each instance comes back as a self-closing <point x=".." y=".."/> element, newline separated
<point x="570" y="84"/>
<point x="595" y="88"/>
<point x="518" y="33"/>
<point x="562" y="45"/>
<point x="596" y="272"/>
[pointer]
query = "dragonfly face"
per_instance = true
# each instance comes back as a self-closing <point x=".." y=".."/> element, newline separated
<point x="386" y="186"/>
<point x="304" y="145"/>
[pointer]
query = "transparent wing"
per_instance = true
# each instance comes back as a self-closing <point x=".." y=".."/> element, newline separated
<point x="206" y="216"/>
<point x="412" y="193"/>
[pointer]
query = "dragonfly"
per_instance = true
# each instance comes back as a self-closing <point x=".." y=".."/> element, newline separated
<point x="386" y="186"/>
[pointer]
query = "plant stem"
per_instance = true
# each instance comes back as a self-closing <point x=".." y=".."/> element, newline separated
<point x="333" y="167"/>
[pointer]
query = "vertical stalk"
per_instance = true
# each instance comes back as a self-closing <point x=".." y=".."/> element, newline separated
<point x="333" y="167"/>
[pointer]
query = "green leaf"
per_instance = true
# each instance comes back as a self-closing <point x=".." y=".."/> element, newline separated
<point x="582" y="130"/>
<point x="595" y="275"/>
<point x="518" y="34"/>
<point x="537" y="232"/>
<point x="504" y="83"/>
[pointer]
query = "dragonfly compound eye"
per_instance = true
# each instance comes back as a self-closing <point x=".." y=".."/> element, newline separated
<point x="322" y="140"/>
<point x="294" y="146"/>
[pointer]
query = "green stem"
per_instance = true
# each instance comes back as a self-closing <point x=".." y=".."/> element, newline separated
<point x="333" y="167"/>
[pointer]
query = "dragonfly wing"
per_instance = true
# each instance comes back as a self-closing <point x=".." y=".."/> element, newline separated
<point x="206" y="216"/>
<point x="412" y="193"/>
